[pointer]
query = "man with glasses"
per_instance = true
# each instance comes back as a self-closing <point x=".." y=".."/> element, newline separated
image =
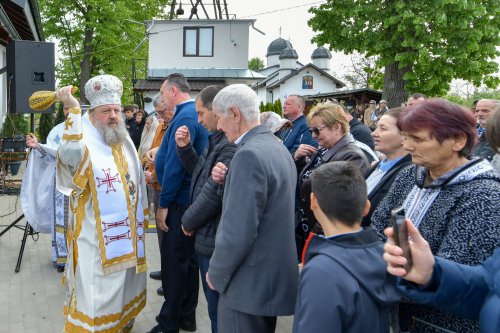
<point x="149" y="170"/>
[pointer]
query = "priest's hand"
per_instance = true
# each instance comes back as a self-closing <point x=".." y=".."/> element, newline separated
<point x="161" y="218"/>
<point x="66" y="97"/>
<point x="151" y="154"/>
<point x="31" y="140"/>
<point x="182" y="136"/>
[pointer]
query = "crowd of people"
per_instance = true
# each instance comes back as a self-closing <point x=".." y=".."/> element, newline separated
<point x="242" y="200"/>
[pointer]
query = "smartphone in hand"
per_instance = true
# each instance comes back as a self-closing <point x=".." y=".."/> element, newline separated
<point x="398" y="221"/>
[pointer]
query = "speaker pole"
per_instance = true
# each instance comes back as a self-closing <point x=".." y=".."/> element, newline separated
<point x="32" y="123"/>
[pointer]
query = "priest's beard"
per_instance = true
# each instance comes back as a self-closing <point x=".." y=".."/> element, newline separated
<point x="112" y="135"/>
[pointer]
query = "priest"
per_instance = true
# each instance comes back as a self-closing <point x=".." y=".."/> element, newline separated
<point x="98" y="168"/>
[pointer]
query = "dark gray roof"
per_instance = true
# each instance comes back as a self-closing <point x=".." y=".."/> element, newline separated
<point x="277" y="46"/>
<point x="289" y="53"/>
<point x="262" y="83"/>
<point x="321" y="52"/>
<point x="354" y="96"/>
<point x="263" y="69"/>
<point x="338" y="83"/>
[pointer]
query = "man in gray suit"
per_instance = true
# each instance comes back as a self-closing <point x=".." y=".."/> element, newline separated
<point x="254" y="265"/>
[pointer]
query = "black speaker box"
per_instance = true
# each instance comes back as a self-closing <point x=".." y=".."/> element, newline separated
<point x="30" y="68"/>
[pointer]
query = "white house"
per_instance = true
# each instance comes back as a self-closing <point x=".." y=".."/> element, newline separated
<point x="205" y="51"/>
<point x="286" y="76"/>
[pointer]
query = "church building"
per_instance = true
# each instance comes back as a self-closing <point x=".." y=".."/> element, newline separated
<point x="284" y="75"/>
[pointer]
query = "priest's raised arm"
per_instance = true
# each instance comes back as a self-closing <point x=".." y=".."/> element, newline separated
<point x="72" y="154"/>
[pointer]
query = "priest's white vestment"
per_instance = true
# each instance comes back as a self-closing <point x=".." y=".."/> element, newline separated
<point x="105" y="274"/>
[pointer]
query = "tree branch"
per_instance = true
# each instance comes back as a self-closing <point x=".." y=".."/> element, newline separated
<point x="66" y="29"/>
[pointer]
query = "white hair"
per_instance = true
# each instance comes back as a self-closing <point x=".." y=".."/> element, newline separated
<point x="156" y="99"/>
<point x="272" y="121"/>
<point x="240" y="96"/>
<point x="112" y="136"/>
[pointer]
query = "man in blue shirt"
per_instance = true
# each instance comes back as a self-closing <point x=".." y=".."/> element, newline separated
<point x="178" y="261"/>
<point x="293" y="137"/>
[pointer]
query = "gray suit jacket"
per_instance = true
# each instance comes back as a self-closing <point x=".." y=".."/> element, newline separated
<point x="254" y="265"/>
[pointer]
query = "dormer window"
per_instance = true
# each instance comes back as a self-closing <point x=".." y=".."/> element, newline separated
<point x="198" y="41"/>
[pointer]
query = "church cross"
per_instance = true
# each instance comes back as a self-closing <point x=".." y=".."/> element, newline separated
<point x="110" y="239"/>
<point x="108" y="180"/>
<point x="110" y="225"/>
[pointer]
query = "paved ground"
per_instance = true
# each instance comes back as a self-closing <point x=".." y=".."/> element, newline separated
<point x="32" y="300"/>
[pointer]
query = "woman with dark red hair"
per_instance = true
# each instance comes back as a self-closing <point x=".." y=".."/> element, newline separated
<point x="452" y="198"/>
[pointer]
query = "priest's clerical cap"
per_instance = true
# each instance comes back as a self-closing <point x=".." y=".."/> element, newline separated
<point x="103" y="90"/>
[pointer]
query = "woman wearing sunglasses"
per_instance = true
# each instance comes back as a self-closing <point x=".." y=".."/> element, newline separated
<point x="453" y="200"/>
<point x="330" y="128"/>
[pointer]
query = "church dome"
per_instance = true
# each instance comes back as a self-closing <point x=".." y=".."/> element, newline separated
<point x="321" y="53"/>
<point x="289" y="53"/>
<point x="277" y="46"/>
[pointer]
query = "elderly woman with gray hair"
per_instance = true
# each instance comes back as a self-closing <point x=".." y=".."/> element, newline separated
<point x="274" y="122"/>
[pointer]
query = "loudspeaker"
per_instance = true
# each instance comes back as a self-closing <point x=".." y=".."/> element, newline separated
<point x="30" y="68"/>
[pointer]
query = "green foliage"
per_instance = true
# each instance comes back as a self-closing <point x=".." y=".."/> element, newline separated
<point x="491" y="94"/>
<point x="255" y="64"/>
<point x="269" y="106"/>
<point x="469" y="101"/>
<point x="375" y="78"/>
<point x="432" y="42"/>
<point x="363" y="72"/>
<point x="45" y="124"/>
<point x="15" y="125"/>
<point x="278" y="108"/>
<point x="457" y="99"/>
<point x="262" y="107"/>
<point x="95" y="36"/>
<point x="274" y="107"/>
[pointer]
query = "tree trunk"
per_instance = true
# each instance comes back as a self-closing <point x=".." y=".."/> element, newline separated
<point x="85" y="64"/>
<point x="394" y="92"/>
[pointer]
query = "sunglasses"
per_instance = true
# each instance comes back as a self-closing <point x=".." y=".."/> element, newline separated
<point x="316" y="130"/>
